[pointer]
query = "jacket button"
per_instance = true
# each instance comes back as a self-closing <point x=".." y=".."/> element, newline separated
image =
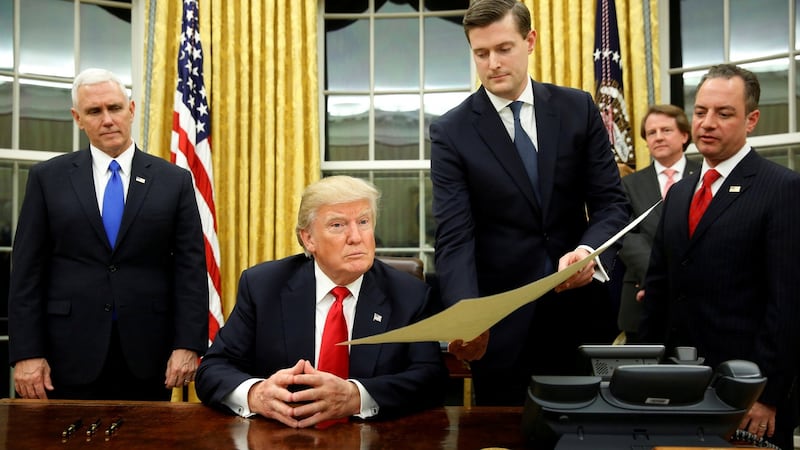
<point x="107" y="307"/>
<point x="112" y="268"/>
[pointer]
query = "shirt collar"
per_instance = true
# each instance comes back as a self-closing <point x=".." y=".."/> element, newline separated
<point x="325" y="284"/>
<point x="101" y="160"/>
<point x="679" y="166"/>
<point x="499" y="102"/>
<point x="726" y="167"/>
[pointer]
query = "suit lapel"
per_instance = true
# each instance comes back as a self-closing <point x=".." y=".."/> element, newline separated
<point x="373" y="312"/>
<point x="548" y="127"/>
<point x="490" y="127"/>
<point x="299" y="312"/>
<point x="139" y="184"/>
<point x="82" y="180"/>
<point x="732" y="188"/>
<point x="651" y="190"/>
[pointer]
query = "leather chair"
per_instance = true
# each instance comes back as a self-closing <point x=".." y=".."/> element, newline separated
<point x="410" y="264"/>
<point x="458" y="369"/>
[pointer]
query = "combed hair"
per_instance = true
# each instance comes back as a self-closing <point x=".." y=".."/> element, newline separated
<point x="672" y="111"/>
<point x="752" y="88"/>
<point x="332" y="191"/>
<point x="486" y="12"/>
<point x="94" y="76"/>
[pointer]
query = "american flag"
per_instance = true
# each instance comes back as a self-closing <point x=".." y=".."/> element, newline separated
<point x="608" y="80"/>
<point x="191" y="149"/>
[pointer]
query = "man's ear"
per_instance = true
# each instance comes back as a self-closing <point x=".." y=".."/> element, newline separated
<point x="308" y="241"/>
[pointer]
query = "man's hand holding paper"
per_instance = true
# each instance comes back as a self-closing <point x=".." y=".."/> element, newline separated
<point x="470" y="318"/>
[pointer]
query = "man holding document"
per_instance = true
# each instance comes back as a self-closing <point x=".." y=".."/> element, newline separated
<point x="524" y="184"/>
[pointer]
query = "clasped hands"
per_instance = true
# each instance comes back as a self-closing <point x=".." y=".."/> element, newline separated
<point x="324" y="396"/>
<point x="476" y="348"/>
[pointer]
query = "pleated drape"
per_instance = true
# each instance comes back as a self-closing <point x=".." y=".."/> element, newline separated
<point x="261" y="78"/>
<point x="565" y="42"/>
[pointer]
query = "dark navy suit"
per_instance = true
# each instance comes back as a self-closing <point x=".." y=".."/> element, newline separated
<point x="732" y="290"/>
<point x="272" y="327"/>
<point x="493" y="235"/>
<point x="643" y="191"/>
<point x="66" y="279"/>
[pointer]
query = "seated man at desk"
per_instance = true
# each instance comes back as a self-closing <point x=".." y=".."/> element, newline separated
<point x="276" y="355"/>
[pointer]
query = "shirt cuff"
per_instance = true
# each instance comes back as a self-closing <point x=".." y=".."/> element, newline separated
<point x="369" y="407"/>
<point x="237" y="399"/>
<point x="600" y="273"/>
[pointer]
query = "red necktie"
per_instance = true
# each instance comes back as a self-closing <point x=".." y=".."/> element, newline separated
<point x="670" y="173"/>
<point x="701" y="200"/>
<point x="335" y="358"/>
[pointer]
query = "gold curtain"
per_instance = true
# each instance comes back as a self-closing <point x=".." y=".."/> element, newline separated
<point x="564" y="47"/>
<point x="261" y="77"/>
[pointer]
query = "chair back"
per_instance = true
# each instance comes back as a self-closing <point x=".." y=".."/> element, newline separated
<point x="408" y="264"/>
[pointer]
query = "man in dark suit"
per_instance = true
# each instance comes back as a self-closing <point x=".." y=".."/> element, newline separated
<point x="667" y="132"/>
<point x="274" y="340"/>
<point x="730" y="287"/>
<point x="92" y="316"/>
<point x="501" y="226"/>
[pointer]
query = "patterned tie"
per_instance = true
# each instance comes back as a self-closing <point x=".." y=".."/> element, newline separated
<point x="670" y="173"/>
<point x="526" y="149"/>
<point x="701" y="200"/>
<point x="335" y="358"/>
<point x="113" y="203"/>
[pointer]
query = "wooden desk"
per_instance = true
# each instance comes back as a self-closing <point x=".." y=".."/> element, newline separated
<point x="38" y="424"/>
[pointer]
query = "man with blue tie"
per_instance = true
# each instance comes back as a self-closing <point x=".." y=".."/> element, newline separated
<point x="277" y="355"/>
<point x="108" y="296"/>
<point x="524" y="184"/>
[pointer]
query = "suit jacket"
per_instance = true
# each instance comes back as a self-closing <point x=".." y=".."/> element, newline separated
<point x="643" y="191"/>
<point x="66" y="279"/>
<point x="272" y="327"/>
<point x="492" y="234"/>
<point x="731" y="290"/>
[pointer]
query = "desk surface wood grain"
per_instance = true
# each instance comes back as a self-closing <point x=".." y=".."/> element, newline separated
<point x="38" y="424"/>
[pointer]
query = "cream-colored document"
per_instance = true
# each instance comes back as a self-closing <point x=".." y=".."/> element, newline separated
<point x="470" y="317"/>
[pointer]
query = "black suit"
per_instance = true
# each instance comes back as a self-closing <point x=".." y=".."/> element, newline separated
<point x="66" y="279"/>
<point x="643" y="191"/>
<point x="492" y="234"/>
<point x="272" y="327"/>
<point x="731" y="290"/>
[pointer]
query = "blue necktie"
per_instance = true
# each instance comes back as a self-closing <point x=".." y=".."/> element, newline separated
<point x="113" y="203"/>
<point x="526" y="149"/>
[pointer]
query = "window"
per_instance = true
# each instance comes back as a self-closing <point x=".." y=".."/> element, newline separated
<point x="42" y="47"/>
<point x="760" y="35"/>
<point x="389" y="69"/>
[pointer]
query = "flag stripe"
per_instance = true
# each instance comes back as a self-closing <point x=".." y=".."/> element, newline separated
<point x="608" y="80"/>
<point x="191" y="149"/>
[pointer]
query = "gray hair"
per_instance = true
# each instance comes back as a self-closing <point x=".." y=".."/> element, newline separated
<point x="94" y="76"/>
<point x="331" y="191"/>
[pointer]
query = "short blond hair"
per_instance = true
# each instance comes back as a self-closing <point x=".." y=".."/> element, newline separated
<point x="332" y="191"/>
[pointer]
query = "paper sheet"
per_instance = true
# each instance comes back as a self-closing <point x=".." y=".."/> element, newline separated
<point x="468" y="318"/>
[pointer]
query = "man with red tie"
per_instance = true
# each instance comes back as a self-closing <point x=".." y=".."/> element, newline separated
<point x="277" y="355"/>
<point x="723" y="274"/>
